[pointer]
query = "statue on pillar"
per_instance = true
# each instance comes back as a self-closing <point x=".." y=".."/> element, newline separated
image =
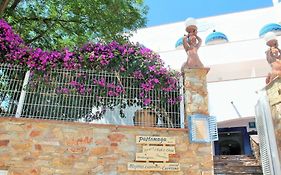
<point x="273" y="56"/>
<point x="191" y="44"/>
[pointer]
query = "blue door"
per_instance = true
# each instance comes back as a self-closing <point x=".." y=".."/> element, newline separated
<point x="233" y="141"/>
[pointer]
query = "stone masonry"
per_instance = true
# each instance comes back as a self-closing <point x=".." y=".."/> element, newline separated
<point x="33" y="147"/>
<point x="195" y="91"/>
<point x="196" y="95"/>
<point x="45" y="147"/>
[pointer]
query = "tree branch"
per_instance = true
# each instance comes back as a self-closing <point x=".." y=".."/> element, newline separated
<point x="42" y="33"/>
<point x="3" y="6"/>
<point x="64" y="26"/>
<point x="14" y="5"/>
<point x="36" y="37"/>
<point x="49" y="19"/>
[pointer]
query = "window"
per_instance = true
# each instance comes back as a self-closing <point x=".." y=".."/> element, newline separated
<point x="202" y="128"/>
<point x="252" y="124"/>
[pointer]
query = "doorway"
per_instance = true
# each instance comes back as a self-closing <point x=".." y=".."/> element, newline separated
<point x="233" y="141"/>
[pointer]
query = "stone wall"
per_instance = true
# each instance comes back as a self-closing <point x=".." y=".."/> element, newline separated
<point x="274" y="95"/>
<point x="195" y="91"/>
<point x="33" y="147"/>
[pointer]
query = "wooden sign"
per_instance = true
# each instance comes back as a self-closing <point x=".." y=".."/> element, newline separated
<point x="159" y="149"/>
<point x="155" y="140"/>
<point x="155" y="153"/>
<point x="143" y="166"/>
<point x="152" y="157"/>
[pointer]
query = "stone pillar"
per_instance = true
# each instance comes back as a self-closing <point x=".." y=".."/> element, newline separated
<point x="195" y="91"/>
<point x="196" y="102"/>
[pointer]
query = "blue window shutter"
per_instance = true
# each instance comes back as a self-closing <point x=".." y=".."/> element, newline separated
<point x="213" y="128"/>
<point x="202" y="128"/>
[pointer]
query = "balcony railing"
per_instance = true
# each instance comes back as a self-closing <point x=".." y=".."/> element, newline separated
<point x="22" y="95"/>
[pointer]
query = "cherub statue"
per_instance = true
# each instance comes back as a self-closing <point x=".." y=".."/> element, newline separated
<point x="273" y="56"/>
<point x="191" y="44"/>
<point x="273" y="53"/>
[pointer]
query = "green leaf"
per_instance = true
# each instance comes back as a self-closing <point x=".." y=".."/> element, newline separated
<point x="57" y="24"/>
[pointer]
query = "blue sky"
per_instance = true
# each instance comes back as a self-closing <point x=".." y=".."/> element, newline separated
<point x="169" y="11"/>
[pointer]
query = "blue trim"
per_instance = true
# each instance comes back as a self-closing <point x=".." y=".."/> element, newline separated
<point x="189" y="120"/>
<point x="215" y="36"/>
<point x="271" y="27"/>
<point x="179" y="42"/>
<point x="246" y="140"/>
<point x="192" y="129"/>
<point x="213" y="128"/>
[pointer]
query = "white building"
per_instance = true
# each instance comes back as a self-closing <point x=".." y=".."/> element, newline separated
<point x="237" y="68"/>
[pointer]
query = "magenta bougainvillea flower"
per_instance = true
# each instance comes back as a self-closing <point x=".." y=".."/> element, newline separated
<point x="124" y="60"/>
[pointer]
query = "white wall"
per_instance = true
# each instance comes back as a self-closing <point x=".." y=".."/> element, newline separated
<point x="237" y="26"/>
<point x="277" y="9"/>
<point x="242" y="30"/>
<point x="241" y="92"/>
<point x="231" y="52"/>
<point x="243" y="57"/>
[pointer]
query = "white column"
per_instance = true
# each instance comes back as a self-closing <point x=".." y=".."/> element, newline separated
<point x="22" y="95"/>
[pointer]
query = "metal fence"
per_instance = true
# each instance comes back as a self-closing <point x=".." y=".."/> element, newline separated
<point x="23" y="95"/>
<point x="11" y="81"/>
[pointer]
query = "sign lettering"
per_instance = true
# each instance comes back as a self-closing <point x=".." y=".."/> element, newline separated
<point x="143" y="166"/>
<point x="155" y="140"/>
<point x="159" y="149"/>
<point x="152" y="157"/>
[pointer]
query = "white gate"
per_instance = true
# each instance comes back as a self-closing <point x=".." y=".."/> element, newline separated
<point x="268" y="147"/>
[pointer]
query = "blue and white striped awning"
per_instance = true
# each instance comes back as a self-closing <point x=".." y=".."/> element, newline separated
<point x="271" y="27"/>
<point x="216" y="38"/>
<point x="179" y="43"/>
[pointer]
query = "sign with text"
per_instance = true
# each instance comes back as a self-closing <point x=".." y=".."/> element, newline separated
<point x="155" y="140"/>
<point x="152" y="157"/>
<point x="155" y="153"/>
<point x="142" y="166"/>
<point x="159" y="149"/>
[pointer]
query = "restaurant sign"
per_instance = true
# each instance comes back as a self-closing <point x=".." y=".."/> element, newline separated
<point x="155" y="154"/>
